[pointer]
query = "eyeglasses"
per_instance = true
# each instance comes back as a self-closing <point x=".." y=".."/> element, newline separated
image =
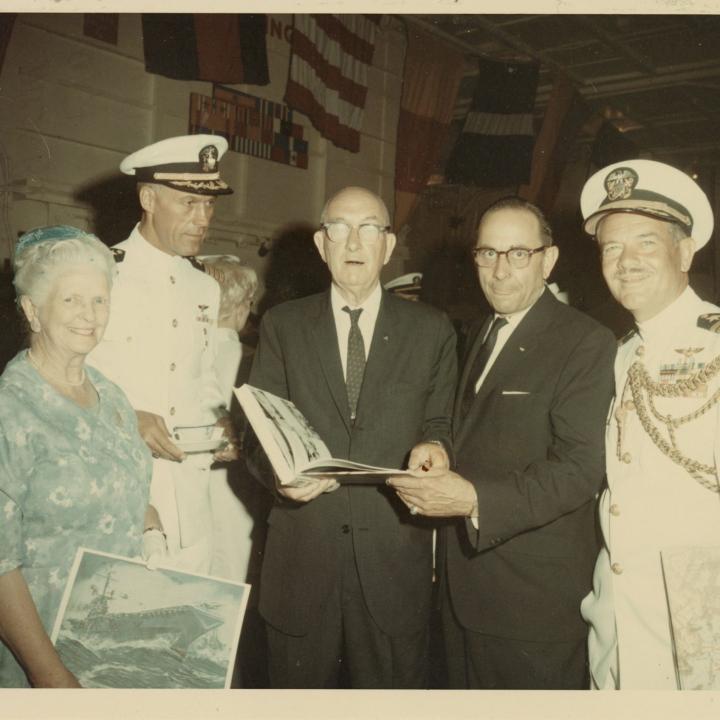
<point x="518" y="258"/>
<point x="339" y="232"/>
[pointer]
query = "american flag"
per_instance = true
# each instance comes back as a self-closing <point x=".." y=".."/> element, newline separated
<point x="330" y="57"/>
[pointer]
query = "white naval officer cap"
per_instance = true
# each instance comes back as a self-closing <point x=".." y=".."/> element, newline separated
<point x="647" y="187"/>
<point x="409" y="281"/>
<point x="190" y="163"/>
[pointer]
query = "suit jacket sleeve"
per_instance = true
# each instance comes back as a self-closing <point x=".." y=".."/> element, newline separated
<point x="267" y="373"/>
<point x="572" y="472"/>
<point x="438" y="415"/>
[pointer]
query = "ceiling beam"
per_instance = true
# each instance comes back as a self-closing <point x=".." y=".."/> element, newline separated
<point x="611" y="41"/>
<point x="481" y="23"/>
<point x="615" y="85"/>
<point x="494" y="30"/>
<point x="434" y="30"/>
<point x="688" y="148"/>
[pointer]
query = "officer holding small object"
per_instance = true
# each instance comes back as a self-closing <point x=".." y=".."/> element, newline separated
<point x="160" y="342"/>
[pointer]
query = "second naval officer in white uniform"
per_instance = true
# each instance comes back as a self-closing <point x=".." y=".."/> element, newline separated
<point x="663" y="432"/>
<point x="160" y="342"/>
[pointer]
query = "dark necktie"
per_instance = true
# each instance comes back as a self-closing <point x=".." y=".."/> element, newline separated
<point x="483" y="355"/>
<point x="355" y="360"/>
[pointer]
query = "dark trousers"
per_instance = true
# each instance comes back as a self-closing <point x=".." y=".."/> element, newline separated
<point x="483" y="662"/>
<point x="347" y="643"/>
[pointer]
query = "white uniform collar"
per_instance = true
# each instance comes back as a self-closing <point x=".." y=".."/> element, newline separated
<point x="675" y="315"/>
<point x="150" y="254"/>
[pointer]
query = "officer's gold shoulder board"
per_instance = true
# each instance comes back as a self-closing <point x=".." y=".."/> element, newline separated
<point x="709" y="321"/>
<point x="626" y="337"/>
<point x="118" y="254"/>
<point x="197" y="264"/>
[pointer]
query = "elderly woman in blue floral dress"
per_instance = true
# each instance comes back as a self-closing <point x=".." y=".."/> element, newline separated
<point x="73" y="468"/>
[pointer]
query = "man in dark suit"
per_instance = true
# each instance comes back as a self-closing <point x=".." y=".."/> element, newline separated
<point x="347" y="571"/>
<point x="528" y="445"/>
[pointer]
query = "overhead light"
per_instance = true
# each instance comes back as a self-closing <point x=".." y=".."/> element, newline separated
<point x="626" y="125"/>
<point x="435" y="179"/>
<point x="619" y="119"/>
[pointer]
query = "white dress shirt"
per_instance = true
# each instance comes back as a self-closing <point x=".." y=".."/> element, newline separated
<point x="366" y="321"/>
<point x="502" y="337"/>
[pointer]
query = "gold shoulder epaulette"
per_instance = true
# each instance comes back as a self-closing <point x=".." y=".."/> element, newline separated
<point x="118" y="254"/>
<point x="626" y="337"/>
<point x="709" y="321"/>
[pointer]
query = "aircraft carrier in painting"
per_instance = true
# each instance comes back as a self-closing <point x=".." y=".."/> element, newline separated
<point x="179" y="625"/>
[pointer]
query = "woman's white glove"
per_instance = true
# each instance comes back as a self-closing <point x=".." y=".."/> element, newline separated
<point x="154" y="547"/>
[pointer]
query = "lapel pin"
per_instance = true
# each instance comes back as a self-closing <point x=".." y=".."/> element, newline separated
<point x="385" y="338"/>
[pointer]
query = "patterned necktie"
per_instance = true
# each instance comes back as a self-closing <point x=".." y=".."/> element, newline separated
<point x="483" y="355"/>
<point x="355" y="360"/>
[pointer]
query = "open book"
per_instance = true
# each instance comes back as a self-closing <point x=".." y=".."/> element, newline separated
<point x="294" y="449"/>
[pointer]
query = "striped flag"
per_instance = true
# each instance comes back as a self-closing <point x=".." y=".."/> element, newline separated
<point x="330" y="57"/>
<point x="213" y="47"/>
<point x="496" y="145"/>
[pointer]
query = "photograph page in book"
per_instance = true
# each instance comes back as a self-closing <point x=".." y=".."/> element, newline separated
<point x="295" y="451"/>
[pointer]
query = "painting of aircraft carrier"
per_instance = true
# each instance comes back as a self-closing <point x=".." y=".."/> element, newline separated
<point x="121" y="625"/>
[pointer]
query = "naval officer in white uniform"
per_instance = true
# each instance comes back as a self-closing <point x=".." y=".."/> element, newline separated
<point x="160" y="342"/>
<point x="662" y="442"/>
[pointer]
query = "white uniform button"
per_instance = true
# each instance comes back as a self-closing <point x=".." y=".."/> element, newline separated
<point x="626" y="458"/>
<point x="172" y="279"/>
<point x="174" y="323"/>
<point x="128" y="338"/>
<point x="640" y="351"/>
<point x="172" y="367"/>
<point x="172" y="410"/>
<point x="616" y="568"/>
<point x="615" y="509"/>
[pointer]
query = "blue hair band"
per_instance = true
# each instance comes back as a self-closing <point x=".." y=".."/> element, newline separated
<point x="51" y="233"/>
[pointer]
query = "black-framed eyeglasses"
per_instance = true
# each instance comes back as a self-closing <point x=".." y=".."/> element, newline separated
<point x="517" y="258"/>
<point x="339" y="232"/>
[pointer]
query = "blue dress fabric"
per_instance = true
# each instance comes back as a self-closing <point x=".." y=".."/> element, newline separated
<point x="69" y="477"/>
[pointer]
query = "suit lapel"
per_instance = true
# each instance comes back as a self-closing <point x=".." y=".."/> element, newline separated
<point x="474" y="344"/>
<point x="523" y="339"/>
<point x="328" y="353"/>
<point x="384" y="349"/>
<point x="510" y="361"/>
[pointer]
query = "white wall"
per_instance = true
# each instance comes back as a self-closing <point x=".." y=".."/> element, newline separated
<point x="72" y="107"/>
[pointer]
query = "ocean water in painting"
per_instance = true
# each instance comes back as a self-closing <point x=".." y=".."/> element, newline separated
<point x="125" y="626"/>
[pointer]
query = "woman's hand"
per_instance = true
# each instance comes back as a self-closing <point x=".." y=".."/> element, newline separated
<point x="154" y="547"/>
<point x="154" y="540"/>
